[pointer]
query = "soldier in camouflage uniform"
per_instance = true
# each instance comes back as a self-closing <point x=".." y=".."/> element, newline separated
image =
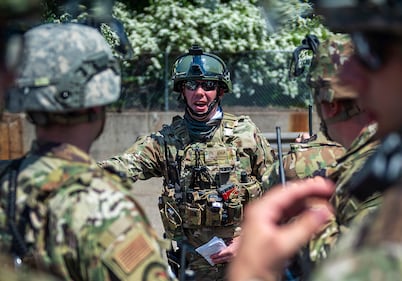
<point x="371" y="250"/>
<point x="10" y="13"/>
<point x="342" y="120"/>
<point x="350" y="126"/>
<point x="212" y="163"/>
<point x="322" y="149"/>
<point x="59" y="211"/>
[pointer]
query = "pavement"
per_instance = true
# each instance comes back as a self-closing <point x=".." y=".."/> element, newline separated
<point x="146" y="193"/>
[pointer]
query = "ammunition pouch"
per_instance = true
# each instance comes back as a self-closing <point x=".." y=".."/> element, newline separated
<point x="250" y="191"/>
<point x="212" y="208"/>
<point x="170" y="216"/>
<point x="192" y="214"/>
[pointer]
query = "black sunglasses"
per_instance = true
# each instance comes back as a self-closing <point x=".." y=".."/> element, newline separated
<point x="192" y="85"/>
<point x="371" y="48"/>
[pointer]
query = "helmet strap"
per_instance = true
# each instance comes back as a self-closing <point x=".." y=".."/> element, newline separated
<point x="323" y="124"/>
<point x="349" y="112"/>
<point x="344" y="115"/>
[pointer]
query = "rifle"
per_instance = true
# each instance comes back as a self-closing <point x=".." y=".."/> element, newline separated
<point x="310" y="120"/>
<point x="280" y="159"/>
<point x="289" y="275"/>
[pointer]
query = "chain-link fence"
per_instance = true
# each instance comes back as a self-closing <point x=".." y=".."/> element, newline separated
<point x="259" y="79"/>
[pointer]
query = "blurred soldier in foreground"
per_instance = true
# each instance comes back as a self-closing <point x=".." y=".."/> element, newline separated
<point x="11" y="45"/>
<point x="212" y="163"/>
<point x="59" y="210"/>
<point x="371" y="250"/>
<point x="344" y="120"/>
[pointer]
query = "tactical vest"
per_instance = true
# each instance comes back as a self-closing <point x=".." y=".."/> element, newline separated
<point x="206" y="184"/>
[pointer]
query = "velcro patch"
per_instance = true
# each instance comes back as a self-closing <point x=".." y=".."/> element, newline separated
<point x="129" y="257"/>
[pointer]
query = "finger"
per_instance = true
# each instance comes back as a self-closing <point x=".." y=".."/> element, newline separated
<point x="288" y="201"/>
<point x="307" y="224"/>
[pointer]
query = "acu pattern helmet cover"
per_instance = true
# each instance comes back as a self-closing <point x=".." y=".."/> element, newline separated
<point x="54" y="77"/>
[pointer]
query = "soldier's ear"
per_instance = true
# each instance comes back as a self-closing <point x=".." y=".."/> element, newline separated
<point x="221" y="92"/>
<point x="331" y="109"/>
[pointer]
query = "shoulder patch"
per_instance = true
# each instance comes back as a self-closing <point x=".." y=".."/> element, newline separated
<point x="129" y="257"/>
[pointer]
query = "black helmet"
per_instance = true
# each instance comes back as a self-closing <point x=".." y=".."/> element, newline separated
<point x="197" y="65"/>
<point x="364" y="15"/>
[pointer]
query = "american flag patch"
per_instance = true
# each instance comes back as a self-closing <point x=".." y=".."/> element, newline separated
<point x="133" y="254"/>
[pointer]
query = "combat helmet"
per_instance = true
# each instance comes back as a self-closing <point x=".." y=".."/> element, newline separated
<point x="326" y="63"/>
<point x="365" y="15"/>
<point x="198" y="65"/>
<point x="327" y="59"/>
<point x="56" y="77"/>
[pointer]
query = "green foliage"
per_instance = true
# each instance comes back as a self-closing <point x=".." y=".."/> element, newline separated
<point x="237" y="30"/>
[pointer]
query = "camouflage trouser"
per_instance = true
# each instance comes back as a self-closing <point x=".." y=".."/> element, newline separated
<point x="204" y="271"/>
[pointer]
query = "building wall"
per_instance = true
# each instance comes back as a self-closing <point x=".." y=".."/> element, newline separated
<point x="122" y="129"/>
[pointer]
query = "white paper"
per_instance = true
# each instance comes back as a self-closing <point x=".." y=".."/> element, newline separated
<point x="213" y="246"/>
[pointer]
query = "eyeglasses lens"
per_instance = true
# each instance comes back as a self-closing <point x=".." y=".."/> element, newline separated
<point x="205" y="85"/>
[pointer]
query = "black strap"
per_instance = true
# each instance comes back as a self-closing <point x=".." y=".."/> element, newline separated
<point x="18" y="246"/>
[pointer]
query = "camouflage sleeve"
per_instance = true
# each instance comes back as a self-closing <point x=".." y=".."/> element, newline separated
<point x="352" y="212"/>
<point x="371" y="250"/>
<point x="302" y="161"/>
<point x="98" y="232"/>
<point x="262" y="155"/>
<point x="290" y="164"/>
<point x="271" y="176"/>
<point x="143" y="160"/>
<point x="370" y="264"/>
<point x="348" y="210"/>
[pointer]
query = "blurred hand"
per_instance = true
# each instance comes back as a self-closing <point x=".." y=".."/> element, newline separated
<point x="271" y="234"/>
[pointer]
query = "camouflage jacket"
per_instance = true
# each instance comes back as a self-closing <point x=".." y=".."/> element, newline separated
<point x="372" y="249"/>
<point x="346" y="208"/>
<point x="74" y="219"/>
<point x="304" y="159"/>
<point x="193" y="172"/>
